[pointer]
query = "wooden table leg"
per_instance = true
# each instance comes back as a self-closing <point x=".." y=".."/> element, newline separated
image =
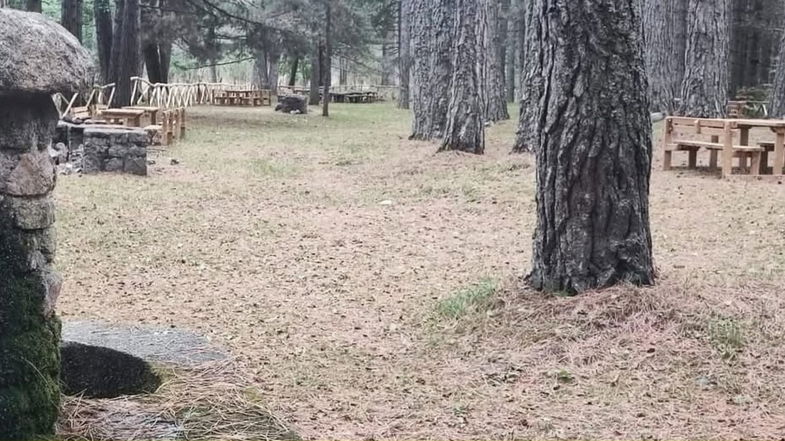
<point x="779" y="152"/>
<point x="713" y="154"/>
<point x="693" y="159"/>
<point x="727" y="150"/>
<point x="744" y="139"/>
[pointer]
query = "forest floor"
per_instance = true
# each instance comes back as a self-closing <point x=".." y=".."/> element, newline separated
<point x="371" y="288"/>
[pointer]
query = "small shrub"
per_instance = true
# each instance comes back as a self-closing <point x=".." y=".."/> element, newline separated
<point x="472" y="298"/>
<point x="726" y="336"/>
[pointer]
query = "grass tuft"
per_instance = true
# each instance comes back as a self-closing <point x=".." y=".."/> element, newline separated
<point x="473" y="298"/>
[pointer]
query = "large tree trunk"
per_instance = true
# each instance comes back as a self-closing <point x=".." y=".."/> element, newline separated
<point x="273" y="65"/>
<point x="665" y="24"/>
<point x="117" y="39"/>
<point x="531" y="81"/>
<point x="404" y="53"/>
<point x="494" y="50"/>
<point x="778" y="89"/>
<point x="71" y="17"/>
<point x="465" y="129"/>
<point x="432" y="34"/>
<point x="704" y="91"/>
<point x="128" y="49"/>
<point x="102" y="12"/>
<point x="328" y="56"/>
<point x="165" y="51"/>
<point x="313" y="98"/>
<point x="594" y="155"/>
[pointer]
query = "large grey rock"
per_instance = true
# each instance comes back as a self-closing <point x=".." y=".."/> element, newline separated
<point x="38" y="55"/>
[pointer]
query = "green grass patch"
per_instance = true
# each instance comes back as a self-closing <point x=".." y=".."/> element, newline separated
<point x="476" y="297"/>
<point x="726" y="336"/>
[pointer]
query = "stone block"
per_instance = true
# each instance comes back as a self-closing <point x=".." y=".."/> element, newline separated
<point x="27" y="123"/>
<point x="136" y="165"/>
<point x="31" y="213"/>
<point x="118" y="151"/>
<point x="114" y="165"/>
<point x="34" y="175"/>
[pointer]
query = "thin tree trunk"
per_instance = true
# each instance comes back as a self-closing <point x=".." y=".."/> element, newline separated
<point x="313" y="98"/>
<point x="293" y="71"/>
<point x="420" y="37"/>
<point x="328" y="55"/>
<point x="494" y="85"/>
<point x="704" y="91"/>
<point x="71" y="17"/>
<point x="465" y="129"/>
<point x="665" y="24"/>
<point x="511" y="46"/>
<point x="388" y="58"/>
<point x="152" y="60"/>
<point x="165" y="51"/>
<point x="260" y="78"/>
<point x="532" y="81"/>
<point x="444" y="13"/>
<point x="117" y="40"/>
<point x="778" y="88"/>
<point x="273" y="61"/>
<point x="594" y="156"/>
<point x="404" y="53"/>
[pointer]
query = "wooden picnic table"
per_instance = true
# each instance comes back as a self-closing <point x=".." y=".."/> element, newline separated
<point x="151" y="112"/>
<point x="126" y="117"/>
<point x="722" y="134"/>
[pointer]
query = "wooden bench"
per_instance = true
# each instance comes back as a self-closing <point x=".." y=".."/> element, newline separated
<point x="721" y="133"/>
<point x="125" y="117"/>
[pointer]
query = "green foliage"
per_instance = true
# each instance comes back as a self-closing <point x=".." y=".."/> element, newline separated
<point x="726" y="336"/>
<point x="472" y="298"/>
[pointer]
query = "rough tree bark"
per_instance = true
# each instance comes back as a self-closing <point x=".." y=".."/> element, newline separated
<point x="71" y="17"/>
<point x="465" y="129"/>
<point x="432" y="33"/>
<point x="594" y="155"/>
<point x="420" y="31"/>
<point x="531" y="81"/>
<point x="704" y="91"/>
<point x="404" y="53"/>
<point x="129" y="57"/>
<point x="511" y="45"/>
<point x="778" y="88"/>
<point x="494" y="50"/>
<point x="102" y="12"/>
<point x="665" y="24"/>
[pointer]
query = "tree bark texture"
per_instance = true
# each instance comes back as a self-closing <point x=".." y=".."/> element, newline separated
<point x="102" y="12"/>
<point x="511" y="45"/>
<point x="71" y="17"/>
<point x="755" y="38"/>
<point x="665" y="24"/>
<point x="129" y="53"/>
<point x="594" y="153"/>
<point x="778" y="88"/>
<point x="531" y="81"/>
<point x="33" y="6"/>
<point x="704" y="91"/>
<point x="494" y="54"/>
<point x="465" y="129"/>
<point x="421" y="30"/>
<point x="404" y="53"/>
<point x="293" y="71"/>
<point x="152" y="61"/>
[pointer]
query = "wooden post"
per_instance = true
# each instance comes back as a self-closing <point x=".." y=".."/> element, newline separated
<point x="779" y="152"/>
<point x="744" y="140"/>
<point x="727" y="150"/>
<point x="666" y="148"/>
<point x="713" y="154"/>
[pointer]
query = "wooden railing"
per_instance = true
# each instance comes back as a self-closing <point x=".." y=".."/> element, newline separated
<point x="174" y="95"/>
<point x="99" y="97"/>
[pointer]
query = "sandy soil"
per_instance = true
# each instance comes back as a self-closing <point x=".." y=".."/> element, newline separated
<point x="320" y="252"/>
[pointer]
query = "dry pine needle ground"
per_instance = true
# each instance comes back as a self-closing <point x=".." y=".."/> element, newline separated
<point x="359" y="319"/>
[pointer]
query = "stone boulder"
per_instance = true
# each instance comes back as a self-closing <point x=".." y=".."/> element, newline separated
<point x="38" y="55"/>
<point x="99" y="372"/>
<point x="292" y="104"/>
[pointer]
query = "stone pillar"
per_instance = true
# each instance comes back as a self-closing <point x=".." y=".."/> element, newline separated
<point x="38" y="58"/>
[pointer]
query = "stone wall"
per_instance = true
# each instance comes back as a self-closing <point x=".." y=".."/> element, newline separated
<point x="115" y="149"/>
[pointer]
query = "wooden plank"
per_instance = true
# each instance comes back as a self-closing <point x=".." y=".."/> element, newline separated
<point x="727" y="150"/>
